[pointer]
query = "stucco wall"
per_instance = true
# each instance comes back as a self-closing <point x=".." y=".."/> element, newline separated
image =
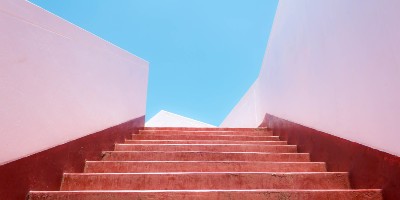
<point x="59" y="82"/>
<point x="168" y="119"/>
<point x="245" y="114"/>
<point x="333" y="66"/>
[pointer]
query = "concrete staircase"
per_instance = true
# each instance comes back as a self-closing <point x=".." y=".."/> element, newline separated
<point x="205" y="163"/>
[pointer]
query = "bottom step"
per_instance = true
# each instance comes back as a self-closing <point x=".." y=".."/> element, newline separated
<point x="210" y="194"/>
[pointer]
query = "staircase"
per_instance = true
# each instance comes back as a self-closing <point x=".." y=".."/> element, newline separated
<point x="205" y="163"/>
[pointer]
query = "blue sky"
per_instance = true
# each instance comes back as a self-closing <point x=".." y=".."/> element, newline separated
<point x="203" y="55"/>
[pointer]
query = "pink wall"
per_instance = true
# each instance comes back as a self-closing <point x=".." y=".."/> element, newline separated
<point x="168" y="119"/>
<point x="59" y="82"/>
<point x="333" y="66"/>
<point x="246" y="114"/>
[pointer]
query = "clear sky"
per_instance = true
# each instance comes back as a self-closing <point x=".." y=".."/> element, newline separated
<point x="203" y="54"/>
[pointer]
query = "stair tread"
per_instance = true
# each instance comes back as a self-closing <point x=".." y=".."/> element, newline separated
<point x="205" y="147"/>
<point x="259" y="162"/>
<point x="204" y="156"/>
<point x="212" y="132"/>
<point x="192" y="145"/>
<point x="211" y="152"/>
<point x="211" y="173"/>
<point x="202" y="128"/>
<point x="206" y="180"/>
<point x="202" y="137"/>
<point x="211" y="190"/>
<point x="203" y="142"/>
<point x="126" y="167"/>
<point x="219" y="134"/>
<point x="359" y="194"/>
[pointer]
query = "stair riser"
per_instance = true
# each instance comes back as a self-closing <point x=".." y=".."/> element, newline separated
<point x="204" y="137"/>
<point x="203" y="156"/>
<point x="196" y="181"/>
<point x="215" y="148"/>
<point x="204" y="142"/>
<point x="131" y="167"/>
<point x="232" y="195"/>
<point x="203" y="129"/>
<point x="172" y="132"/>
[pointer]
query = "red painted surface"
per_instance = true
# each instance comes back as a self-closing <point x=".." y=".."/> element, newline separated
<point x="205" y="180"/>
<point x="212" y="194"/>
<point x="202" y="137"/>
<point x="192" y="169"/>
<point x="201" y="166"/>
<point x="203" y="142"/>
<point x="204" y="129"/>
<point x="208" y="147"/>
<point x="369" y="168"/>
<point x="262" y="132"/>
<point x="44" y="170"/>
<point x="204" y="156"/>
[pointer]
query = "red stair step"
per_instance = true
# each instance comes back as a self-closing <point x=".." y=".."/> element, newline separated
<point x="203" y="142"/>
<point x="205" y="180"/>
<point x="208" y="147"/>
<point x="211" y="194"/>
<point x="205" y="163"/>
<point x="201" y="166"/>
<point x="204" y="129"/>
<point x="202" y="137"/>
<point x="203" y="156"/>
<point x="197" y="132"/>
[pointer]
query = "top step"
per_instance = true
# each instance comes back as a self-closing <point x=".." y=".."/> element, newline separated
<point x="210" y="132"/>
<point x="202" y="129"/>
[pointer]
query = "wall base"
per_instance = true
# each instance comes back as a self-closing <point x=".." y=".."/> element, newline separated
<point x="44" y="170"/>
<point x="369" y="168"/>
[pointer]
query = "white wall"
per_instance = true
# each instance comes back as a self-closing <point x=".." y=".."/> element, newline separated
<point x="246" y="113"/>
<point x="59" y="82"/>
<point x="333" y="65"/>
<point x="168" y="119"/>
